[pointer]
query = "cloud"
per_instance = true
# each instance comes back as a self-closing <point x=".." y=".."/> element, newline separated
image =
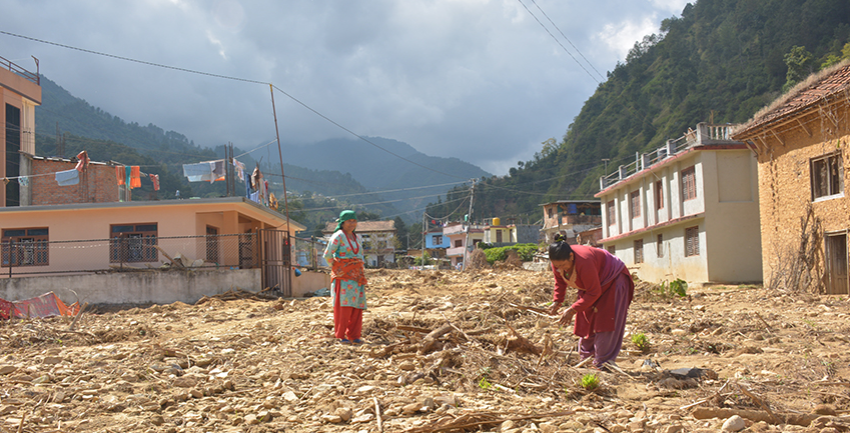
<point x="621" y="37"/>
<point x="480" y="80"/>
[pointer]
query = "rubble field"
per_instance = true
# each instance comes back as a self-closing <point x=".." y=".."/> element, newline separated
<point x="444" y="351"/>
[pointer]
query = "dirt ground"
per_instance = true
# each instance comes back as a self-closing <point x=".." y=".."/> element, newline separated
<point x="779" y="361"/>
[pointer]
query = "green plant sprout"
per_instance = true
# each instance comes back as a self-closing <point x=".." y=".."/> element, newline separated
<point x="641" y="341"/>
<point x="589" y="381"/>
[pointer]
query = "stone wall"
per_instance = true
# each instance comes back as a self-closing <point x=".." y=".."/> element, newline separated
<point x="785" y="189"/>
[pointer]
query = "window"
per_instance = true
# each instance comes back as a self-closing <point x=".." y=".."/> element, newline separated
<point x="132" y="243"/>
<point x="827" y="176"/>
<point x="639" y="251"/>
<point x="611" y="249"/>
<point x="25" y="247"/>
<point x="689" y="183"/>
<point x="612" y="213"/>
<point x="458" y="243"/>
<point x="692" y="241"/>
<point x="634" y="204"/>
<point x="212" y="244"/>
<point x="659" y="246"/>
<point x="659" y="195"/>
<point x="551" y="213"/>
<point x="438" y="239"/>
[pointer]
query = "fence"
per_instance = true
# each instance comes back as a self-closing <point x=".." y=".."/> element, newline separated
<point x="308" y="253"/>
<point x="31" y="256"/>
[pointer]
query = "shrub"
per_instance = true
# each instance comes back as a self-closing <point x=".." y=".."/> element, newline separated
<point x="499" y="254"/>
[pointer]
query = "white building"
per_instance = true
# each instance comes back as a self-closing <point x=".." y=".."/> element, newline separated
<point x="688" y="210"/>
<point x="378" y="239"/>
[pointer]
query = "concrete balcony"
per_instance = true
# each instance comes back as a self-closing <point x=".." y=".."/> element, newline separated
<point x="456" y="251"/>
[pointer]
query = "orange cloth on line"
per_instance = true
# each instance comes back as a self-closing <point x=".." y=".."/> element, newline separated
<point x="348" y="269"/>
<point x="119" y="173"/>
<point x="135" y="177"/>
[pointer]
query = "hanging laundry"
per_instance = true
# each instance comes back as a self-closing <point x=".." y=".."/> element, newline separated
<point x="155" y="181"/>
<point x="83" y="161"/>
<point x="68" y="177"/>
<point x="128" y="172"/>
<point x="24" y="181"/>
<point x="273" y="201"/>
<point x="135" y="177"/>
<point x="219" y="171"/>
<point x="119" y="173"/>
<point x="200" y="172"/>
<point x="256" y="178"/>
<point x="254" y="196"/>
<point x="247" y="184"/>
<point x="265" y="193"/>
<point x="240" y="170"/>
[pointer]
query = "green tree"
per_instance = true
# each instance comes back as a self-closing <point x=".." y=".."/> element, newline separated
<point x="799" y="62"/>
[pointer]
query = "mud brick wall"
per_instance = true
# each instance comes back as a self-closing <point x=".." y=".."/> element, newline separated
<point x="785" y="181"/>
<point x="97" y="184"/>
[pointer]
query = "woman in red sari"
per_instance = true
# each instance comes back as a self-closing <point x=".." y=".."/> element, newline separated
<point x="605" y="291"/>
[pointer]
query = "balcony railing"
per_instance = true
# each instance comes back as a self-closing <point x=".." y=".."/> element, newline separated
<point x="17" y="70"/>
<point x="704" y="135"/>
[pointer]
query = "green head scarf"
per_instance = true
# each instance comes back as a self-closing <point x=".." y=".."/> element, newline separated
<point x="343" y="217"/>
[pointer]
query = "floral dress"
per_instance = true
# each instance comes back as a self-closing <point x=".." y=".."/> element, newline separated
<point x="352" y="293"/>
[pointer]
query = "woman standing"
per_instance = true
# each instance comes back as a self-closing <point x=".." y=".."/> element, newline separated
<point x="347" y="278"/>
<point x="605" y="291"/>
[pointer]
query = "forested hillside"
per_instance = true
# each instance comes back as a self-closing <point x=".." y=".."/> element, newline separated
<point x="64" y="118"/>
<point x="720" y="61"/>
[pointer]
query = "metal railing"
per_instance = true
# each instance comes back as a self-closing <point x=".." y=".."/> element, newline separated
<point x="705" y="134"/>
<point x="127" y="254"/>
<point x="17" y="70"/>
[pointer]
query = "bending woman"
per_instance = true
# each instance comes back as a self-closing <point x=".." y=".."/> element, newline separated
<point x="605" y="291"/>
<point x="347" y="278"/>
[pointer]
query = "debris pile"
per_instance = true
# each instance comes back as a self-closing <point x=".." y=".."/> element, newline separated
<point x="445" y="351"/>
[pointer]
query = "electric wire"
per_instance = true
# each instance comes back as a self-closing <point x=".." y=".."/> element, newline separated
<point x="192" y="71"/>
<point x="557" y="41"/>
<point x="568" y="39"/>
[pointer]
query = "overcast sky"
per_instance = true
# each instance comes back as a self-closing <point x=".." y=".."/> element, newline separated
<point x="480" y="80"/>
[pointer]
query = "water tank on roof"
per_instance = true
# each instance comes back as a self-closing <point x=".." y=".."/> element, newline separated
<point x="497" y="221"/>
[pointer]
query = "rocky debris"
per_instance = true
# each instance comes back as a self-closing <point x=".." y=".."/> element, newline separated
<point x="445" y="351"/>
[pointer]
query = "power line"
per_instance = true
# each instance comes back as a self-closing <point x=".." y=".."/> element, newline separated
<point x="192" y="71"/>
<point x="360" y="136"/>
<point x="558" y="42"/>
<point x="568" y="39"/>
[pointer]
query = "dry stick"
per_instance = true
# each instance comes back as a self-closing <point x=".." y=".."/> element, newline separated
<point x="492" y="421"/>
<point x="21" y="425"/>
<point x="716" y="393"/>
<point x="378" y="415"/>
<point x="759" y="402"/>
<point x="455" y="327"/>
<point x="77" y="317"/>
<point x="762" y="320"/>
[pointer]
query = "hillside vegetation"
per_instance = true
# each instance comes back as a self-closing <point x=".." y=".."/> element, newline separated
<point x="720" y="61"/>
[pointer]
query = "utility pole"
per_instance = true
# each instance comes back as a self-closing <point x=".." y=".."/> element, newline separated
<point x="605" y="160"/>
<point x="468" y="225"/>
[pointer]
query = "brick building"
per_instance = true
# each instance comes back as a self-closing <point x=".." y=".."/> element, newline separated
<point x="97" y="183"/>
<point x="802" y="144"/>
